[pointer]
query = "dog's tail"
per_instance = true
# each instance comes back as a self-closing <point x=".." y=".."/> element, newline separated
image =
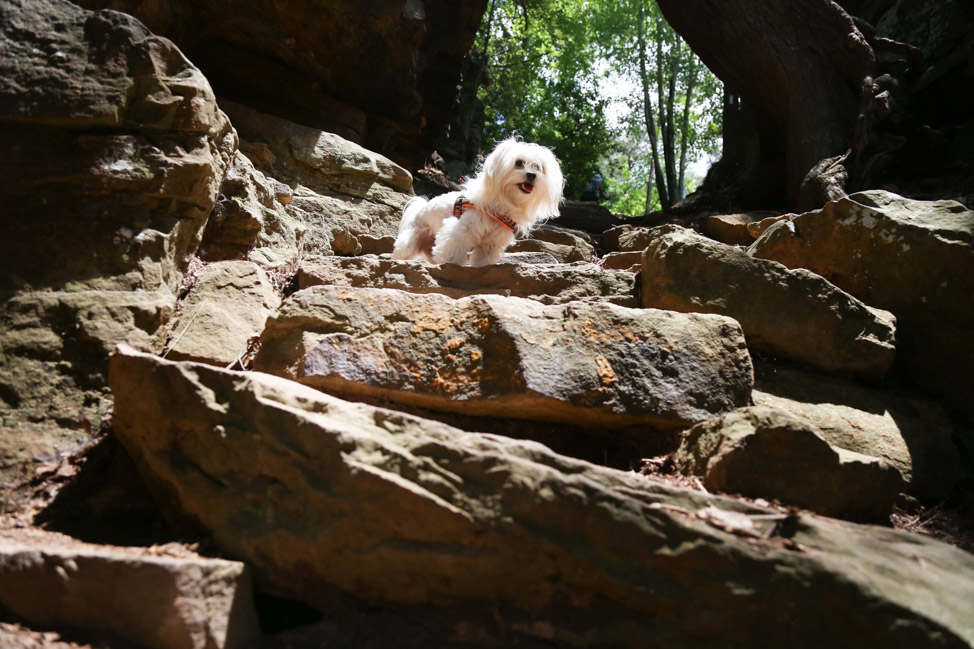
<point x="416" y="235"/>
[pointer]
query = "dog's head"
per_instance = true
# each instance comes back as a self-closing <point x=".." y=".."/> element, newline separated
<point x="527" y="176"/>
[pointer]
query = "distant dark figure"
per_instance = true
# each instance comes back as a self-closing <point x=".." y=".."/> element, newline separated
<point x="593" y="189"/>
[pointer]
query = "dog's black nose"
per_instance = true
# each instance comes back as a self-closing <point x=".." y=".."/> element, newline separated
<point x="531" y="176"/>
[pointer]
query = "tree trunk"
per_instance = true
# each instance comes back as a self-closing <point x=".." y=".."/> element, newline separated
<point x="685" y="127"/>
<point x="669" y="135"/>
<point x="648" y="113"/>
<point x="801" y="63"/>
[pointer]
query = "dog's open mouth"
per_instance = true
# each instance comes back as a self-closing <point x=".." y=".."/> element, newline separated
<point x="527" y="188"/>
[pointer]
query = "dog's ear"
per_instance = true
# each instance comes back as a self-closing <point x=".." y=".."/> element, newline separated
<point x="494" y="166"/>
<point x="555" y="184"/>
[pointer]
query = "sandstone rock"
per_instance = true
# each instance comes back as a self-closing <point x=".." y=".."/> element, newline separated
<point x="16" y="636"/>
<point x="114" y="149"/>
<point x="537" y="258"/>
<point x="160" y="600"/>
<point x="547" y="283"/>
<point x="53" y="350"/>
<point x="225" y="308"/>
<point x="757" y="228"/>
<point x="630" y="261"/>
<point x="627" y="238"/>
<point x="557" y="233"/>
<point x="912" y="435"/>
<point x="577" y="243"/>
<point x="762" y="452"/>
<point x="913" y="258"/>
<point x="327" y="498"/>
<point x="561" y="253"/>
<point x="792" y="313"/>
<point x="733" y="229"/>
<point x="585" y="364"/>
<point x="587" y="216"/>
<point x="376" y="245"/>
<point x="340" y="190"/>
<point x="249" y="220"/>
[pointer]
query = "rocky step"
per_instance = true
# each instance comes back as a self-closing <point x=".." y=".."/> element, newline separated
<point x="547" y="283"/>
<point x="159" y="598"/>
<point x="583" y="364"/>
<point x="794" y="314"/>
<point x="913" y="258"/>
<point x="324" y="498"/>
<point x="763" y="452"/>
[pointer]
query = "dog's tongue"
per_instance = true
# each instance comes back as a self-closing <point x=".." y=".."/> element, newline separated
<point x="526" y="188"/>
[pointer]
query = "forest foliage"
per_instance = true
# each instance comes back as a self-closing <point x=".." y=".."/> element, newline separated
<point x="609" y="86"/>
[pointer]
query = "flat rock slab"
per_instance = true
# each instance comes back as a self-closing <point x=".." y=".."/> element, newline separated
<point x="763" y="452"/>
<point x="580" y="363"/>
<point x="225" y="308"/>
<point x="159" y="599"/>
<point x="629" y="261"/>
<point x="327" y="498"/>
<point x="547" y="283"/>
<point x="913" y="258"/>
<point x="790" y="313"/>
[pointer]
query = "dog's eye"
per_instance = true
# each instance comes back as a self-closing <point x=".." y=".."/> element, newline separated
<point x="519" y="164"/>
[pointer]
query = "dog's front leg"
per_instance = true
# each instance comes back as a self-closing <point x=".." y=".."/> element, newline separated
<point x="452" y="242"/>
<point x="487" y="253"/>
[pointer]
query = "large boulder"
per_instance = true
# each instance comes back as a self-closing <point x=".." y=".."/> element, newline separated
<point x="160" y="598"/>
<point x="385" y="75"/>
<point x="913" y="258"/>
<point x="340" y="191"/>
<point x="327" y="499"/>
<point x="114" y="149"/>
<point x="547" y="283"/>
<point x="913" y="435"/>
<point x="579" y="363"/>
<point x="762" y="452"/>
<point x="794" y="314"/>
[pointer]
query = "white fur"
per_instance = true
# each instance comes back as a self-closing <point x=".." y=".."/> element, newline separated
<point x="429" y="230"/>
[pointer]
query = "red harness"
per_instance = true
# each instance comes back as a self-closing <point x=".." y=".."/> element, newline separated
<point x="463" y="204"/>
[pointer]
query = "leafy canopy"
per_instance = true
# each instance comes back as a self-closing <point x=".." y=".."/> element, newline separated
<point x="567" y="74"/>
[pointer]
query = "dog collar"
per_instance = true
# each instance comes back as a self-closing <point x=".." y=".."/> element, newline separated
<point x="463" y="204"/>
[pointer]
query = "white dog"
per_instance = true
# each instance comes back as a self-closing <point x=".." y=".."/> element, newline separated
<point x="519" y="186"/>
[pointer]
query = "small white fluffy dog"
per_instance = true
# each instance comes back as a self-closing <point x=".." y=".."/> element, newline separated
<point x="519" y="186"/>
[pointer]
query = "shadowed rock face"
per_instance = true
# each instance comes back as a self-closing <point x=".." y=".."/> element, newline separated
<point x="590" y="364"/>
<point x="383" y="73"/>
<point x="171" y="600"/>
<point x="767" y="453"/>
<point x="913" y="258"/>
<point x="790" y="313"/>
<point x="910" y="434"/>
<point x="113" y="153"/>
<point x="325" y="497"/>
